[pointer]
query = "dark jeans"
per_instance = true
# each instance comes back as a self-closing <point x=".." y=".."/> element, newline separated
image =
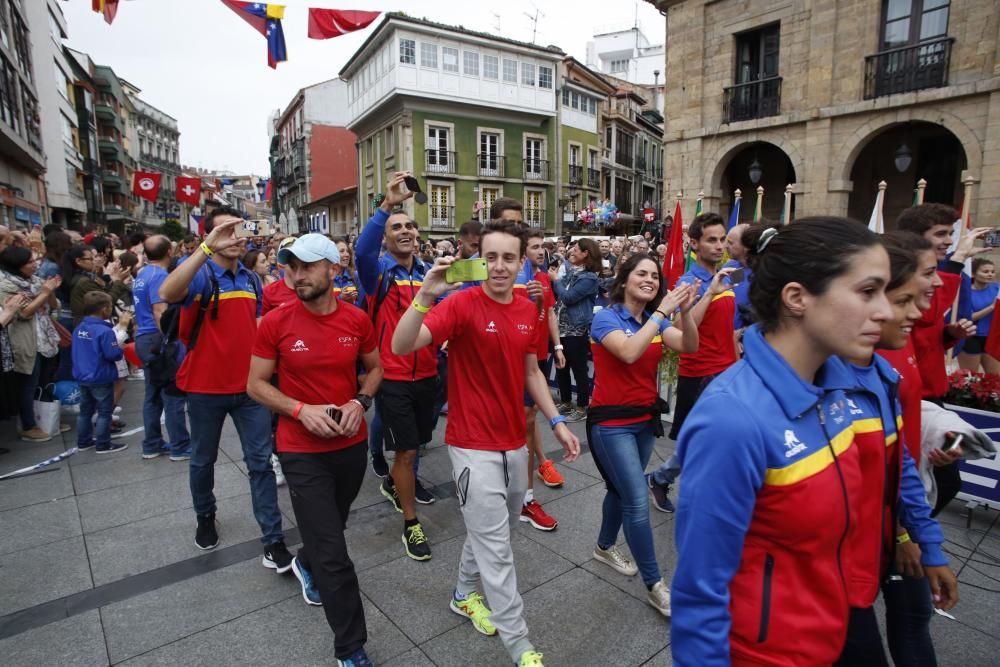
<point x="688" y="391"/>
<point x="577" y="351"/>
<point x="949" y="483"/>
<point x="26" y="386"/>
<point x="253" y="424"/>
<point x="99" y="397"/>
<point x="908" y="612"/>
<point x="322" y="488"/>
<point x="156" y="402"/>
<point x="863" y="647"/>
<point x="65" y="356"/>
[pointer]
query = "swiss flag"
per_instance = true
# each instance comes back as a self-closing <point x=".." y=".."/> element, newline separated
<point x="189" y="190"/>
<point x="146" y="185"/>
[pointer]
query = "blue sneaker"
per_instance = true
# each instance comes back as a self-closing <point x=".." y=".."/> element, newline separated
<point x="659" y="492"/>
<point x="358" y="659"/>
<point x="309" y="592"/>
<point x="183" y="455"/>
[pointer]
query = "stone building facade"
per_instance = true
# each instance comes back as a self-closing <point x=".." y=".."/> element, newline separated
<point x="833" y="97"/>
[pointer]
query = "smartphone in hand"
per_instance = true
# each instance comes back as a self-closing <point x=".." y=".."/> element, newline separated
<point x="737" y="276"/>
<point x="334" y="414"/>
<point x="951" y="441"/>
<point x="466" y="270"/>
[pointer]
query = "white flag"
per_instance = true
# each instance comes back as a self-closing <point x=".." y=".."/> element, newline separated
<point x="875" y="221"/>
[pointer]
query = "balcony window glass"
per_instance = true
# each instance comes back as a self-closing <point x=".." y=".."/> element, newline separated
<point x="490" y="64"/>
<point x="408" y="51"/>
<point x="510" y="70"/>
<point x="449" y="59"/>
<point x="428" y="55"/>
<point x="470" y="62"/>
<point x="527" y="74"/>
<point x="544" y="77"/>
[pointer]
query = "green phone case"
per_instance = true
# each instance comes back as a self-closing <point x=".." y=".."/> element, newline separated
<point x="466" y="271"/>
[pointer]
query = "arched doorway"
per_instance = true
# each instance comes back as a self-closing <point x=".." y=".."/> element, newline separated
<point x="775" y="172"/>
<point x="934" y="154"/>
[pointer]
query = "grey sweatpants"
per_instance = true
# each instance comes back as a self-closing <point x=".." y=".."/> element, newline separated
<point x="491" y="488"/>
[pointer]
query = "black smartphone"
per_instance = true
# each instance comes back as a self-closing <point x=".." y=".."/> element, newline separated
<point x="334" y="414"/>
<point x="413" y="185"/>
<point x="951" y="441"/>
<point x="737" y="276"/>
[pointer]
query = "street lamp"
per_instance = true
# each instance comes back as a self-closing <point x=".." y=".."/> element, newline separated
<point x="903" y="158"/>
<point x="755" y="172"/>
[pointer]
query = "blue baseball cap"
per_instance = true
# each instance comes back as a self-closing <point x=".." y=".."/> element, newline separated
<point x="310" y="248"/>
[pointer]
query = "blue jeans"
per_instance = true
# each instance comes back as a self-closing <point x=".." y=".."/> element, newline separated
<point x="253" y="424"/>
<point x="908" y="613"/>
<point x="157" y="402"/>
<point x="622" y="453"/>
<point x="668" y="471"/>
<point x="102" y="398"/>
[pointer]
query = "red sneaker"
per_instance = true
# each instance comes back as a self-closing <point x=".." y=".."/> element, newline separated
<point x="549" y="475"/>
<point x="534" y="514"/>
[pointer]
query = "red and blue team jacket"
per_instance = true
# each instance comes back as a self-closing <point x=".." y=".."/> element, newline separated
<point x="771" y="484"/>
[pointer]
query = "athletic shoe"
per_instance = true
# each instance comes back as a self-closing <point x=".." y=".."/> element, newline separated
<point x="616" y="559"/>
<point x="423" y="496"/>
<point x="112" y="448"/>
<point x="89" y="445"/>
<point x="659" y="597"/>
<point x="309" y="592"/>
<point x="564" y="408"/>
<point x="358" y="659"/>
<point x="276" y="557"/>
<point x="153" y="455"/>
<point x="577" y="415"/>
<point x="181" y="456"/>
<point x="379" y="466"/>
<point x="389" y="491"/>
<point x="63" y="428"/>
<point x="415" y="542"/>
<point x="206" y="537"/>
<point x="117" y="427"/>
<point x="530" y="659"/>
<point x="35" y="435"/>
<point x="279" y="476"/>
<point x="533" y="513"/>
<point x="659" y="493"/>
<point x="472" y="608"/>
<point x="136" y="376"/>
<point x="549" y="475"/>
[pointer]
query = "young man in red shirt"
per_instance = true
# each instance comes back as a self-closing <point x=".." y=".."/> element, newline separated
<point x="314" y="345"/>
<point x="539" y="291"/>
<point x="491" y="341"/>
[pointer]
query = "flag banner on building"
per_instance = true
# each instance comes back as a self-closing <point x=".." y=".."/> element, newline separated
<point x="146" y="185"/>
<point x="734" y="215"/>
<point x="265" y="19"/>
<point x="267" y="191"/>
<point x="196" y="224"/>
<point x="328" y="23"/>
<point x="691" y="257"/>
<point x="189" y="190"/>
<point x="107" y="7"/>
<point x="673" y="261"/>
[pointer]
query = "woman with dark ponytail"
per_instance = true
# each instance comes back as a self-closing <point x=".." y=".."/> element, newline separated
<point x="770" y="464"/>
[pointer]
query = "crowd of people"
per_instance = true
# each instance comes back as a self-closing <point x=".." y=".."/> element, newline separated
<point x="804" y="349"/>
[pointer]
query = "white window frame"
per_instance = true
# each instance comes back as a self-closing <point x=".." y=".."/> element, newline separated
<point x="541" y="70"/>
<point x="449" y="51"/>
<point x="494" y="65"/>
<point x="403" y="51"/>
<point x="428" y="55"/>
<point x="450" y="188"/>
<point x="438" y="168"/>
<point x="528" y="220"/>
<point x="509" y="70"/>
<point x="484" y="214"/>
<point x="470" y="57"/>
<point x="528" y="72"/>
<point x="500" y="171"/>
<point x="536" y="174"/>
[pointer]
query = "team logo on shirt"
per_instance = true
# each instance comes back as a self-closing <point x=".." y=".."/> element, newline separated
<point x="491" y="327"/>
<point x="348" y="341"/>
<point x="855" y="410"/>
<point x="523" y="328"/>
<point x="793" y="444"/>
<point x="299" y="346"/>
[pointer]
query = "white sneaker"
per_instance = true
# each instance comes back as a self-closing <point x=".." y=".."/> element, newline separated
<point x="279" y="477"/>
<point x="659" y="597"/>
<point x="136" y="376"/>
<point x="616" y="559"/>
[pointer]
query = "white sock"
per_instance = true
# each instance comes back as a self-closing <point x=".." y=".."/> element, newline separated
<point x="529" y="495"/>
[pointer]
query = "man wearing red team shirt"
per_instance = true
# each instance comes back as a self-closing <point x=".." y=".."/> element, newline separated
<point x="314" y="345"/>
<point x="492" y="342"/>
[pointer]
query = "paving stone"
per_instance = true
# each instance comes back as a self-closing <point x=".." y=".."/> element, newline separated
<point x="979" y="603"/>
<point x="78" y="640"/>
<point x="157" y="618"/>
<point x="43" y="573"/>
<point x="139" y="500"/>
<point x="103" y="473"/>
<point x="288" y="632"/>
<point x="24" y="454"/>
<point x="38" y="488"/>
<point x="579" y="517"/>
<point x="39" y="524"/>
<point x="412" y="658"/>
<point x="661" y="659"/>
<point x="955" y="643"/>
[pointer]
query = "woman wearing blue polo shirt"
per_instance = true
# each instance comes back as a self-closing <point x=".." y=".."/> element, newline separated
<point x="977" y="304"/>
<point x="624" y="418"/>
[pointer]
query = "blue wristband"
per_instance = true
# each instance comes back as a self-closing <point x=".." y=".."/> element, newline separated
<point x="555" y="421"/>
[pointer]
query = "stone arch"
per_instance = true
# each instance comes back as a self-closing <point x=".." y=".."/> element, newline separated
<point x="728" y="149"/>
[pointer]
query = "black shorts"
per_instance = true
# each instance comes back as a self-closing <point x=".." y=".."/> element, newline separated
<point x="688" y="391"/>
<point x="407" y="410"/>
<point x="974" y="345"/>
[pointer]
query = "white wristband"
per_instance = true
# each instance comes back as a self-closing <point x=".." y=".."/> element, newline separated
<point x="558" y="348"/>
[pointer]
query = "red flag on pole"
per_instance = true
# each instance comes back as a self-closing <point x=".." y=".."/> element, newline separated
<point x="327" y="23"/>
<point x="107" y="7"/>
<point x="146" y="185"/>
<point x="189" y="190"/>
<point x="673" y="262"/>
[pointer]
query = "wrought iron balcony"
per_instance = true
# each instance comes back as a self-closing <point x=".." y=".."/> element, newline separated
<point x="908" y="68"/>
<point x="536" y="170"/>
<point x="754" y="99"/>
<point x="575" y="174"/>
<point x="441" y="216"/>
<point x="624" y="158"/>
<point x="491" y="165"/>
<point x="535" y="217"/>
<point x="437" y="161"/>
<point x="594" y="178"/>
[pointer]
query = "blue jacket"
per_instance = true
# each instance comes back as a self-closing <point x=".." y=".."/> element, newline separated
<point x="95" y="351"/>
<point x="742" y="292"/>
<point x="770" y="477"/>
<point x="577" y="292"/>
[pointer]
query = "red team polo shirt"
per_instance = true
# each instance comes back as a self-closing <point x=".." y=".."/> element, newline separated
<point x="487" y="345"/>
<point x="276" y="294"/>
<point x="619" y="383"/>
<point x="716" y="346"/>
<point x="317" y="360"/>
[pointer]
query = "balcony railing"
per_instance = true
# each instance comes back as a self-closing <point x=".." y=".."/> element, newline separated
<point x="575" y="174"/>
<point x="491" y="165"/>
<point x="908" y="68"/>
<point x="437" y="161"/>
<point x="754" y="99"/>
<point x="535" y="217"/>
<point x="441" y="216"/>
<point x="536" y="170"/>
<point x="640" y="163"/>
<point x="624" y="158"/>
<point x="593" y="178"/>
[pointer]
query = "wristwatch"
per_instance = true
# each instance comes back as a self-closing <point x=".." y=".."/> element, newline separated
<point x="365" y="400"/>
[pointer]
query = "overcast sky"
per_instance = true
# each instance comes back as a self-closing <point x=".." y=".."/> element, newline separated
<point x="197" y="61"/>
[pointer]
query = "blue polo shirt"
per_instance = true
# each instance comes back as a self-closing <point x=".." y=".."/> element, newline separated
<point x="742" y="291"/>
<point x="146" y="293"/>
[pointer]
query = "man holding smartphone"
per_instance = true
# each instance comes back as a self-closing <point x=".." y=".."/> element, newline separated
<point x="492" y="341"/>
<point x="314" y="344"/>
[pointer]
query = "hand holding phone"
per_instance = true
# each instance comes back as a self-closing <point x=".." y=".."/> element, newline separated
<point x="737" y="277"/>
<point x="413" y="185"/>
<point x="952" y="440"/>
